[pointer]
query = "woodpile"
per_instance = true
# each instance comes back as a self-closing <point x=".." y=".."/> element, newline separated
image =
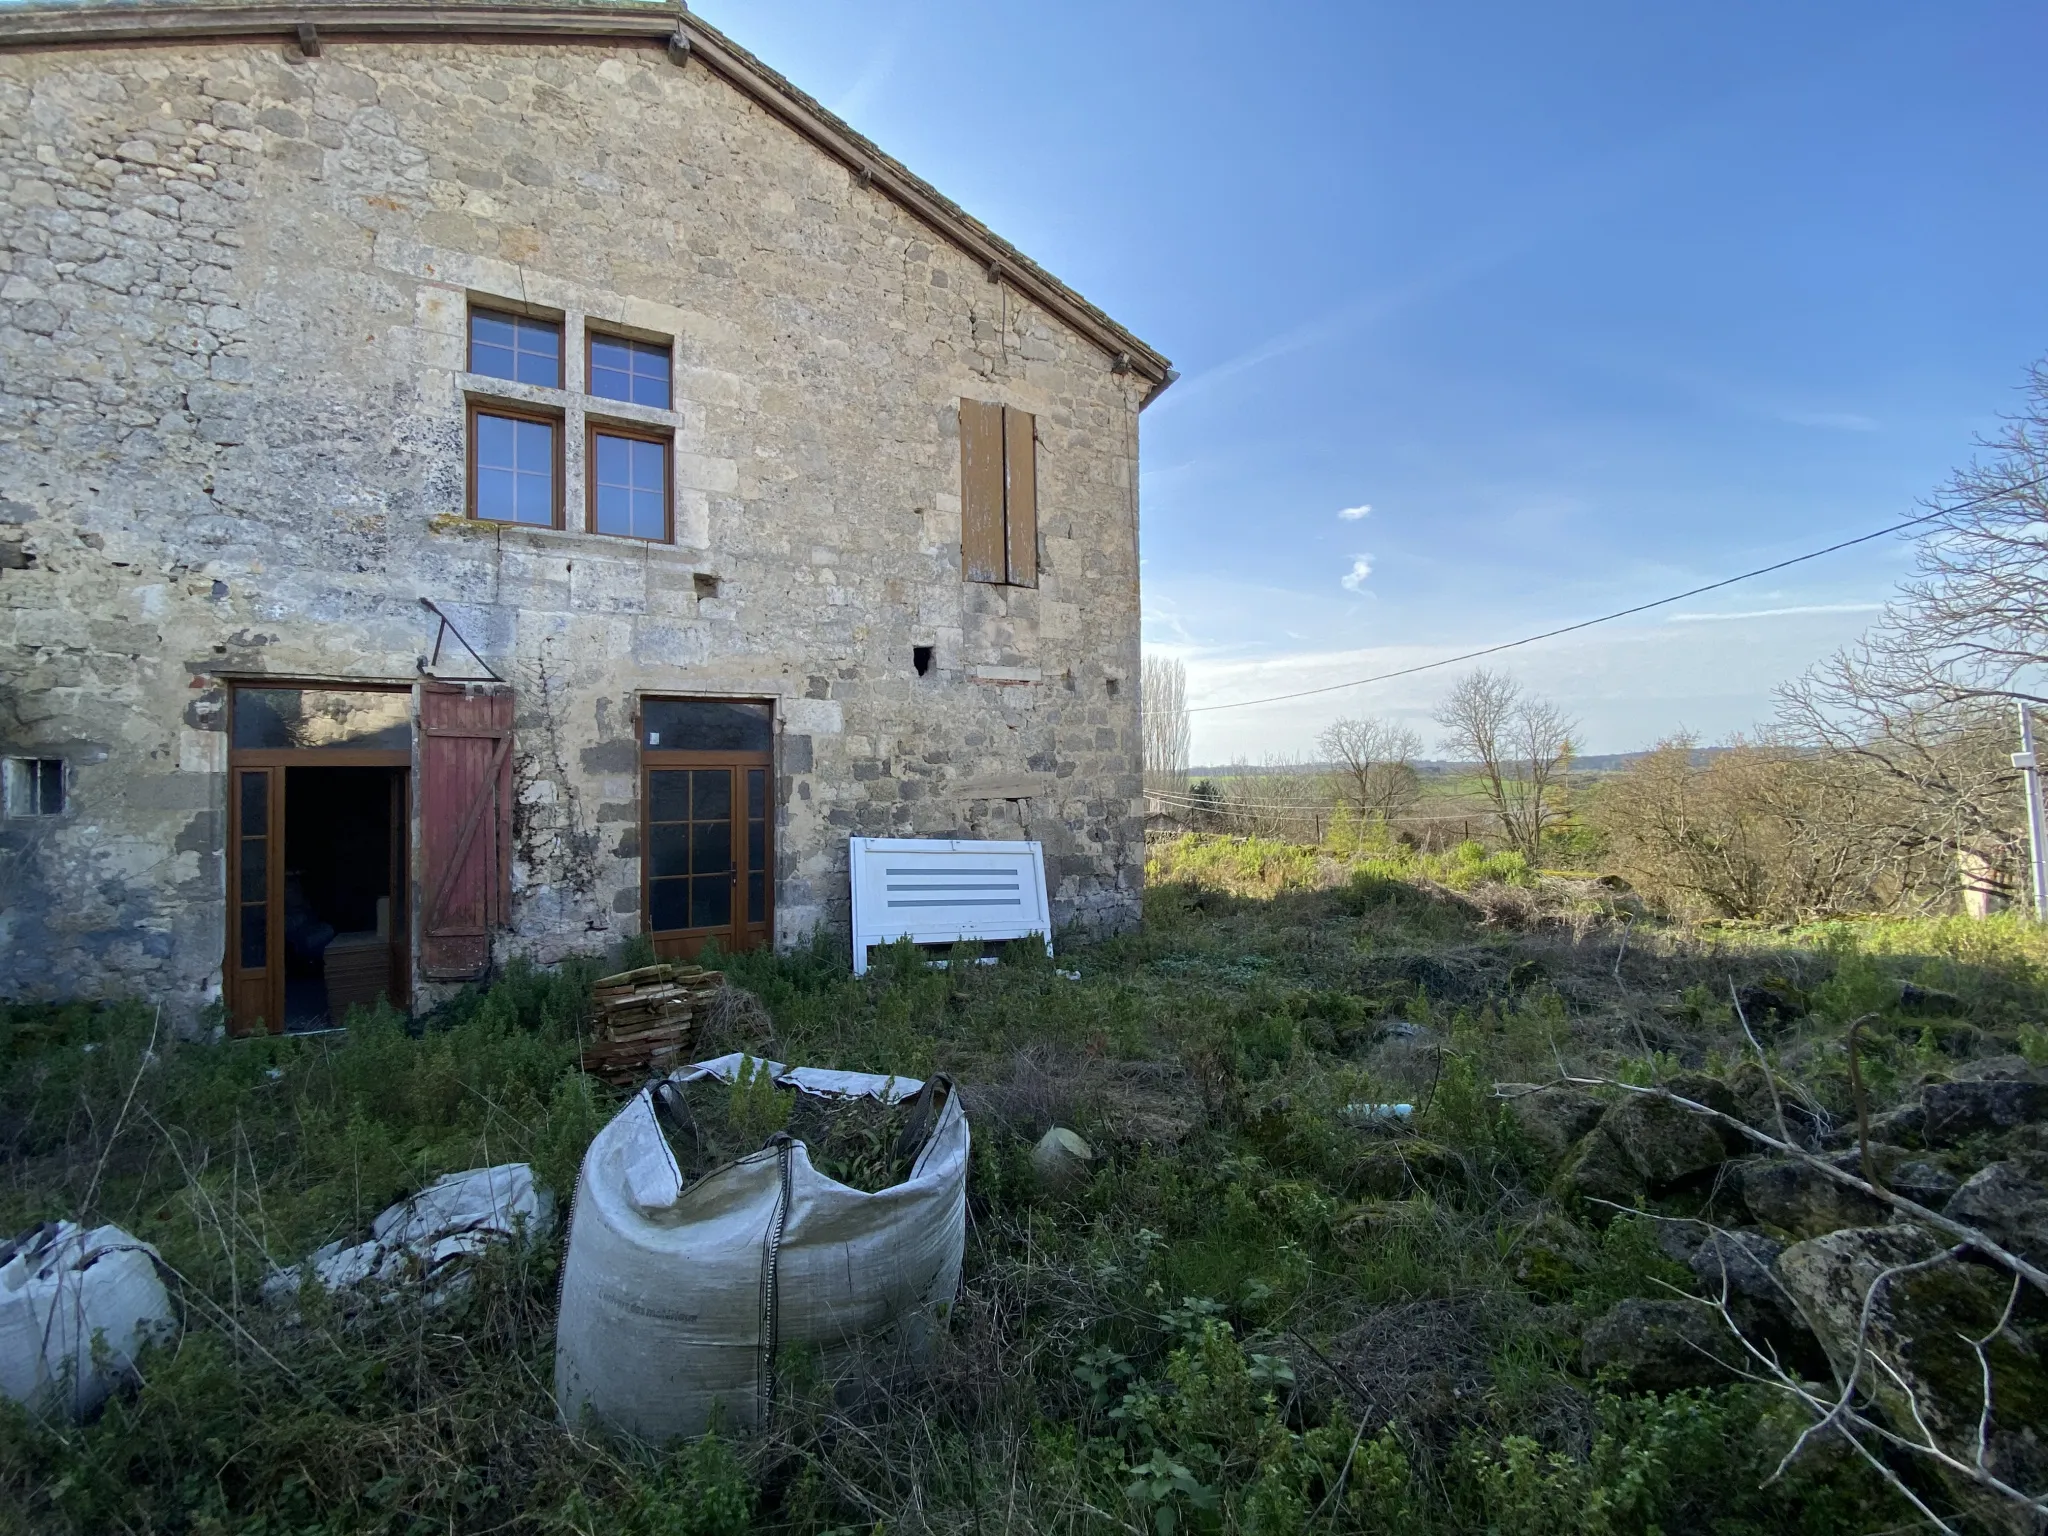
<point x="644" y="1020"/>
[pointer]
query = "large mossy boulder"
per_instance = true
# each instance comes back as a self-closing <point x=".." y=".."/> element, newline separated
<point x="1921" y="1324"/>
<point x="1660" y="1346"/>
<point x="2001" y="1093"/>
<point x="1552" y="1121"/>
<point x="1402" y="1167"/>
<point x="2008" y="1203"/>
<point x="1798" y="1199"/>
<point x="1600" y="1174"/>
<point x="1664" y="1142"/>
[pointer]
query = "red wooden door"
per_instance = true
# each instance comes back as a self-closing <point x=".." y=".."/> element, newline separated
<point x="465" y="825"/>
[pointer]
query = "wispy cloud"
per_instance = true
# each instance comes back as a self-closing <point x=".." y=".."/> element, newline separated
<point x="1353" y="514"/>
<point x="1361" y="567"/>
<point x="1832" y="421"/>
<point x="1773" y="613"/>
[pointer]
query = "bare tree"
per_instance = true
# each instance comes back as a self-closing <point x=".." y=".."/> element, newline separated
<point x="1375" y="762"/>
<point x="1522" y="746"/>
<point x="1165" y="694"/>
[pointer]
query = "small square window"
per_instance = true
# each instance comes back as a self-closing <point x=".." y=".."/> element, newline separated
<point x="628" y="485"/>
<point x="629" y="370"/>
<point x="513" y="463"/>
<point x="515" y="347"/>
<point x="35" y="786"/>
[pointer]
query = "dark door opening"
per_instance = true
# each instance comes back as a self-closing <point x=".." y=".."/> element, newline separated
<point x="343" y="891"/>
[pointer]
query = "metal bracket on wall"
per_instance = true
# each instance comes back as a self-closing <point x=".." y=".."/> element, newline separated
<point x="679" y="47"/>
<point x="309" y="40"/>
<point x="448" y="628"/>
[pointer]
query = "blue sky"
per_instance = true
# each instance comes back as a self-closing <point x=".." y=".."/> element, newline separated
<point x="1586" y="302"/>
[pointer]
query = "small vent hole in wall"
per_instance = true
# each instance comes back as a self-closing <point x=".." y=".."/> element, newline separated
<point x="1110" y="684"/>
<point x="707" y="585"/>
<point x="921" y="658"/>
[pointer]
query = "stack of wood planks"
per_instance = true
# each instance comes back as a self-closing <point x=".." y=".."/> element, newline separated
<point x="644" y="1020"/>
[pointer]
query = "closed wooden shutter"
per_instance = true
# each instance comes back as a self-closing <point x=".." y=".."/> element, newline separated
<point x="983" y="555"/>
<point x="1020" y="498"/>
<point x="465" y="825"/>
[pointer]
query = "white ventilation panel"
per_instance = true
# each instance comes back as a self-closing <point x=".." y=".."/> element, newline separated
<point x="939" y="891"/>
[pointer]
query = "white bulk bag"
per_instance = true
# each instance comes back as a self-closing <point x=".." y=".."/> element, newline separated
<point x="62" y="1287"/>
<point x="675" y="1302"/>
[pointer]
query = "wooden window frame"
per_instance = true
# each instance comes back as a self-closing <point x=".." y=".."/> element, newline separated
<point x="508" y="310"/>
<point x="514" y="411"/>
<point x="592" y="331"/>
<point x="637" y="432"/>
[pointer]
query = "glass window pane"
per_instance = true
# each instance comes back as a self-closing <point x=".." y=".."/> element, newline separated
<point x="757" y="898"/>
<point x="494" y="437"/>
<point x="614" y="510"/>
<point x="703" y="725"/>
<point x="541" y="364"/>
<point x="314" y="718"/>
<point x="515" y="347"/>
<point x="255" y="883"/>
<point x="497" y="495"/>
<point x="611" y="459"/>
<point x="668" y="849"/>
<point x="711" y="902"/>
<point x="535" y="446"/>
<point x="668" y="905"/>
<point x="255" y="938"/>
<point x="668" y="795"/>
<point x="757" y="845"/>
<point x="629" y="370"/>
<point x="713" y="798"/>
<point x="649" y="519"/>
<point x="711" y="848"/>
<point x="498" y="362"/>
<point x="255" y="786"/>
<point x="534" y="499"/>
<point x="757" y="793"/>
<point x="647" y="464"/>
<point x="487" y="329"/>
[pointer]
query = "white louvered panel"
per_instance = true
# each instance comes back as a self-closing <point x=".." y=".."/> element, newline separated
<point x="935" y="891"/>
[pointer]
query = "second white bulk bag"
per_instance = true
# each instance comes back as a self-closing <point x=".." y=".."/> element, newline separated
<point x="676" y="1301"/>
<point x="76" y="1307"/>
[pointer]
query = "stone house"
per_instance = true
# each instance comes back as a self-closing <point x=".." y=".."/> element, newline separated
<point x="492" y="483"/>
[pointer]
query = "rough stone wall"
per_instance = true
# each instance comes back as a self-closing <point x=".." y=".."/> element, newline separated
<point x="232" y="297"/>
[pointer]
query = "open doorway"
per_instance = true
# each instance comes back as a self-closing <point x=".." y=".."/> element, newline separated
<point x="342" y="863"/>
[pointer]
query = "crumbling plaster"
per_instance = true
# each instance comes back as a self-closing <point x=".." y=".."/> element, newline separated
<point x="232" y="294"/>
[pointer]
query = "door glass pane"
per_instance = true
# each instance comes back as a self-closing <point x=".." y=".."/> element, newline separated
<point x="711" y="848"/>
<point x="757" y="898"/>
<point x="315" y="719"/>
<point x="713" y="794"/>
<point x="757" y="845"/>
<point x="255" y="881"/>
<point x="668" y="850"/>
<point x="668" y="794"/>
<point x="757" y="793"/>
<point x="255" y="802"/>
<point x="668" y="904"/>
<point x="255" y="937"/>
<point x="705" y="725"/>
<point x="711" y="901"/>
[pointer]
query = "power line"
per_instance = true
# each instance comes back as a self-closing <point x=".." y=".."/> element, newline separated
<point x="1623" y="613"/>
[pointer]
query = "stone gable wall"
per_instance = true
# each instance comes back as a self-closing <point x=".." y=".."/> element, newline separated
<point x="232" y="296"/>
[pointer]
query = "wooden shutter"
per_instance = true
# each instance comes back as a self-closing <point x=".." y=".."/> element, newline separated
<point x="465" y="825"/>
<point x="983" y="556"/>
<point x="1020" y="498"/>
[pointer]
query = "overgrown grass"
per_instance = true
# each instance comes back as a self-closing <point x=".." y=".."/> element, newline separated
<point x="1254" y="1316"/>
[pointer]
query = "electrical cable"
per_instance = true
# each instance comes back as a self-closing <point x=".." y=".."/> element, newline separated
<point x="1623" y="613"/>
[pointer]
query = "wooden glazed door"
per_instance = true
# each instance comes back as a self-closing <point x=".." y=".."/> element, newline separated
<point x="707" y="813"/>
<point x="255" y="959"/>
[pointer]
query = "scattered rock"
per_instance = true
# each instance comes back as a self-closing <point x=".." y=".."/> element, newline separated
<point x="1550" y="1254"/>
<point x="1600" y="1170"/>
<point x="1743" y="1260"/>
<point x="1665" y="1144"/>
<point x="1660" y="1346"/>
<point x="1771" y="1006"/>
<point x="1925" y="1002"/>
<point x="1922" y="1182"/>
<point x="1394" y="1170"/>
<point x="1942" y="1114"/>
<point x="1796" y="1198"/>
<point x="1920" y="1328"/>
<point x="1551" y="1120"/>
<point x="1060" y="1160"/>
<point x="2008" y="1202"/>
<point x="1751" y="1090"/>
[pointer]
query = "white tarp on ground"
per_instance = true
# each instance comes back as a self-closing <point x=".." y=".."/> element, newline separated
<point x="675" y="1301"/>
<point x="451" y="1219"/>
<point x="942" y="890"/>
<point x="60" y="1287"/>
